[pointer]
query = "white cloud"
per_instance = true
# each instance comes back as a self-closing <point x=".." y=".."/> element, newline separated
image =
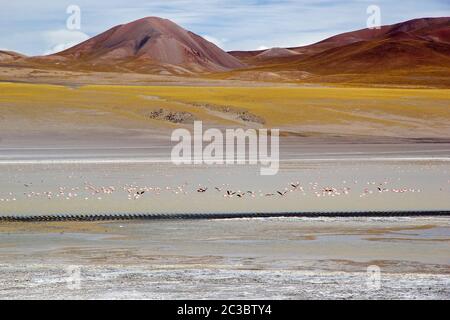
<point x="246" y="24"/>
<point x="60" y="40"/>
<point x="263" y="48"/>
<point x="218" y="42"/>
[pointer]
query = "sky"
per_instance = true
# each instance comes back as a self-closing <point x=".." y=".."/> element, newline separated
<point x="40" y="27"/>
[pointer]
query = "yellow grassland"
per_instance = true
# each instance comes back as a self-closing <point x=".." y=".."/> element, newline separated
<point x="279" y="106"/>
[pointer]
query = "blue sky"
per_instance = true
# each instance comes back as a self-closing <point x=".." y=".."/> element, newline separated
<point x="38" y="27"/>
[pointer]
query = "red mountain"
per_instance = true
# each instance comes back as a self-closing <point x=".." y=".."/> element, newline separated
<point x="426" y="29"/>
<point x="415" y="43"/>
<point x="150" y="44"/>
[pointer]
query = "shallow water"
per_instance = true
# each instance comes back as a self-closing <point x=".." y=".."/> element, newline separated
<point x="113" y="187"/>
<point x="276" y="258"/>
<point x="273" y="258"/>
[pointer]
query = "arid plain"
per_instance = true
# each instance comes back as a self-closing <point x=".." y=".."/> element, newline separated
<point x="45" y="113"/>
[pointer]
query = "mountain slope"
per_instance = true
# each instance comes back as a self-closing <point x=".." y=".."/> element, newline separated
<point x="10" y="56"/>
<point x="419" y="47"/>
<point x="427" y="29"/>
<point x="150" y="44"/>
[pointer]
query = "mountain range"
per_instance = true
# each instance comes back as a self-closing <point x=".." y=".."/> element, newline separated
<point x="415" y="43"/>
<point x="158" y="46"/>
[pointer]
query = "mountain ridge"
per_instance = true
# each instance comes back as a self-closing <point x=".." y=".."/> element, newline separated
<point x="420" y="46"/>
<point x="416" y="50"/>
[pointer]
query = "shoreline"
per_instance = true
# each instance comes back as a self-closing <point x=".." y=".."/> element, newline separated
<point x="274" y="258"/>
<point x="221" y="216"/>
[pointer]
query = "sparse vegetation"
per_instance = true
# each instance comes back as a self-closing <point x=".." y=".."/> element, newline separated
<point x="357" y="111"/>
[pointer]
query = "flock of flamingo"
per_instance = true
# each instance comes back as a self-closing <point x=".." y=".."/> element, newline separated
<point x="135" y="192"/>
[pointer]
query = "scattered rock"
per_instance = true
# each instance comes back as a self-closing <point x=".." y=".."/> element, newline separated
<point x="171" y="116"/>
<point x="249" y="117"/>
<point x="238" y="113"/>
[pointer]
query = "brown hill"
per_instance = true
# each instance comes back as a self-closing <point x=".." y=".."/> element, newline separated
<point x="420" y="46"/>
<point x="425" y="29"/>
<point x="387" y="55"/>
<point x="149" y="44"/>
<point x="10" y="56"/>
<point x="276" y="53"/>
